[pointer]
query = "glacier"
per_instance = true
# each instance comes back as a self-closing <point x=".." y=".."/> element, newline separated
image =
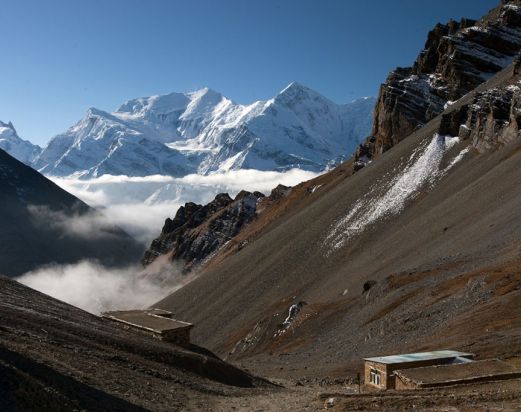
<point x="203" y="132"/>
<point x="20" y="149"/>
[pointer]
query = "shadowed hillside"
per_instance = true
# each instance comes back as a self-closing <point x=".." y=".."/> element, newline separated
<point x="54" y="356"/>
<point x="41" y="223"/>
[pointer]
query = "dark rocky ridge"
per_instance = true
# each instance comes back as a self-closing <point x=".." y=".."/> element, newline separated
<point x="493" y="119"/>
<point x="458" y="56"/>
<point x="36" y="218"/>
<point x="197" y="231"/>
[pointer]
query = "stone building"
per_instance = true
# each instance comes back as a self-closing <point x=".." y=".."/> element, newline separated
<point x="455" y="374"/>
<point x="380" y="371"/>
<point x="157" y="323"/>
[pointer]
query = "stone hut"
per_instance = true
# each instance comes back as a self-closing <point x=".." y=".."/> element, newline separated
<point x="380" y="371"/>
<point x="157" y="323"/>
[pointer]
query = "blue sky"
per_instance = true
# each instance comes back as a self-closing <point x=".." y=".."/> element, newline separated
<point x="60" y="57"/>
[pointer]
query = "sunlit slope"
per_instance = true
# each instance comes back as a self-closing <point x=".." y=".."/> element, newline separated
<point x="400" y="252"/>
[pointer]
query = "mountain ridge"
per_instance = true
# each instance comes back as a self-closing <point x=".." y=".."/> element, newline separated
<point x="203" y="132"/>
<point x="423" y="242"/>
<point x="22" y="150"/>
<point x="41" y="224"/>
<point x="456" y="58"/>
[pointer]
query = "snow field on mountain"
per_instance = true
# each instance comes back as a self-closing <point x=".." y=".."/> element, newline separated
<point x="422" y="169"/>
<point x="203" y="132"/>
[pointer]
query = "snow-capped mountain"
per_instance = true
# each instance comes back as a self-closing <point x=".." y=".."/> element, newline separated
<point x="20" y="149"/>
<point x="203" y="131"/>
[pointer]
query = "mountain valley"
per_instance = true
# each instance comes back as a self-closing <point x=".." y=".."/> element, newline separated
<point x="406" y="239"/>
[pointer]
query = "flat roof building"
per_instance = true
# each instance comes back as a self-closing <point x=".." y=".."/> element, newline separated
<point x="379" y="371"/>
<point x="154" y="322"/>
<point x="455" y="374"/>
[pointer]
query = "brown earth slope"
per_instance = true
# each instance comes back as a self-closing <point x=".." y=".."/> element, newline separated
<point x="56" y="357"/>
<point x="441" y="272"/>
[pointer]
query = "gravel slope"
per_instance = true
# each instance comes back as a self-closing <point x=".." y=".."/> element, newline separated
<point x="54" y="356"/>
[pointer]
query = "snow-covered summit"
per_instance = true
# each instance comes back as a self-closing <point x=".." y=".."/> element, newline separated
<point x="20" y="149"/>
<point x="203" y="131"/>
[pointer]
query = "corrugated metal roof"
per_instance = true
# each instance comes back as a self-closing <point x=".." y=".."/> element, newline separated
<point x="420" y="356"/>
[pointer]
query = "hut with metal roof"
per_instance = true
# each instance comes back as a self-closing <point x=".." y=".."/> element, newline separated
<point x="379" y="371"/>
<point x="157" y="323"/>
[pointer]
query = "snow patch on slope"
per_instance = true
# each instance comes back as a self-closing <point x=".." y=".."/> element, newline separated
<point x="422" y="169"/>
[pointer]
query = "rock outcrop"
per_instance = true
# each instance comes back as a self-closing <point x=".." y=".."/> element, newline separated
<point x="198" y="231"/>
<point x="492" y="119"/>
<point x="458" y="56"/>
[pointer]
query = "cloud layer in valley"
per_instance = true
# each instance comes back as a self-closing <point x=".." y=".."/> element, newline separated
<point x="139" y="205"/>
<point x="95" y="288"/>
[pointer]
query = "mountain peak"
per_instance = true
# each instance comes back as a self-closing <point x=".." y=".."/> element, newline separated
<point x="297" y="93"/>
<point x="205" y="91"/>
<point x="204" y="96"/>
<point x="92" y="111"/>
<point x="294" y="87"/>
<point x="7" y="126"/>
<point x="203" y="131"/>
<point x="157" y="103"/>
<point x="14" y="145"/>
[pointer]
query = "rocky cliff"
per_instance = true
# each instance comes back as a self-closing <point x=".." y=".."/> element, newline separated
<point x="197" y="231"/>
<point x="458" y="56"/>
<point x="492" y="118"/>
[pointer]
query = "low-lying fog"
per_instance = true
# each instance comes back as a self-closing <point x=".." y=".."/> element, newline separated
<point x="139" y="205"/>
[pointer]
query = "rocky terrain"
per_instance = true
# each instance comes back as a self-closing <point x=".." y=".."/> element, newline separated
<point x="198" y="234"/>
<point x="458" y="56"/>
<point x="417" y="251"/>
<point x="41" y="224"/>
<point x="197" y="231"/>
<point x="56" y="357"/>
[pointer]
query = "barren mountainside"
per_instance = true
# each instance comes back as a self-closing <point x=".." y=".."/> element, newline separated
<point x="417" y="251"/>
<point x="42" y="224"/>
<point x="56" y="357"/>
<point x="412" y="245"/>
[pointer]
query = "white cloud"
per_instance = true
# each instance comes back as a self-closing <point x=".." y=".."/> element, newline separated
<point x="139" y="205"/>
<point x="92" y="225"/>
<point x="95" y="288"/>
